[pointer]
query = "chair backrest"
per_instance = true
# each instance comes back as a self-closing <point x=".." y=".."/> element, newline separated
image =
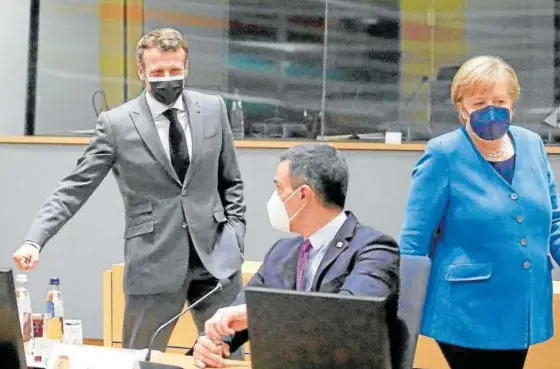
<point x="414" y="274"/>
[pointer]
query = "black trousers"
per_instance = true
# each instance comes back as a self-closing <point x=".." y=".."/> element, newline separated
<point x="459" y="357"/>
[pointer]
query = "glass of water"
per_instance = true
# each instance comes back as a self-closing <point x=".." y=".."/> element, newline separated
<point x="73" y="334"/>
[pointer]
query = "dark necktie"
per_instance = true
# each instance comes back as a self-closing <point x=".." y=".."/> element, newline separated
<point x="178" y="148"/>
<point x="302" y="260"/>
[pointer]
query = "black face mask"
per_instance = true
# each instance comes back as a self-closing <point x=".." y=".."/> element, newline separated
<point x="167" y="90"/>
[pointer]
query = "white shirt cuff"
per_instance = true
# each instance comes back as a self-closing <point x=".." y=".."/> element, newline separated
<point x="34" y="244"/>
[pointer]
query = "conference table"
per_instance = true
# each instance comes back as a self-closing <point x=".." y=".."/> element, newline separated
<point x="428" y="355"/>
<point x="64" y="361"/>
<point x="187" y="362"/>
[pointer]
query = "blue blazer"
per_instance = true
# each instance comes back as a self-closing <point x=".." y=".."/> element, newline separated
<point x="490" y="286"/>
<point x="358" y="261"/>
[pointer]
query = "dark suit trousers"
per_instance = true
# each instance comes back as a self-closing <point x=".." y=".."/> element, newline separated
<point x="145" y="313"/>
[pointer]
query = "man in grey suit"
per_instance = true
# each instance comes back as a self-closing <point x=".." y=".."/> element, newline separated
<point x="172" y="154"/>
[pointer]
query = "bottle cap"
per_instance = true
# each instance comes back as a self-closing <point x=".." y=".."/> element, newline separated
<point x="55" y="281"/>
<point x="21" y="278"/>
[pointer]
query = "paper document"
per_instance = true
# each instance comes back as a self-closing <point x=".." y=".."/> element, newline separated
<point x="92" y="357"/>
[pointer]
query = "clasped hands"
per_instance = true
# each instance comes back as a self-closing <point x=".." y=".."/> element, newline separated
<point x="210" y="350"/>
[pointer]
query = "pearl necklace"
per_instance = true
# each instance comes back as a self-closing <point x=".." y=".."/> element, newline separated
<point x="499" y="153"/>
<point x="496" y="155"/>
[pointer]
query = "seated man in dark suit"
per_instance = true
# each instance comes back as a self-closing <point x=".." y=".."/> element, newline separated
<point x="334" y="252"/>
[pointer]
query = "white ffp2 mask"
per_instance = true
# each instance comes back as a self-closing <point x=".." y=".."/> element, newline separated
<point x="277" y="213"/>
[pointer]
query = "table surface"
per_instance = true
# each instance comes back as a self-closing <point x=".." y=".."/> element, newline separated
<point x="187" y="362"/>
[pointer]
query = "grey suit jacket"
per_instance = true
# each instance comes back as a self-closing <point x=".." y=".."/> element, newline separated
<point x="160" y="211"/>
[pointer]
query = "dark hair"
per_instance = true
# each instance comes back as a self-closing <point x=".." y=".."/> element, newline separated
<point x="322" y="168"/>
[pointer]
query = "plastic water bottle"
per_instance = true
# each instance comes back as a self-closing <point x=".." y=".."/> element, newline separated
<point x="24" y="308"/>
<point x="237" y="121"/>
<point x="54" y="317"/>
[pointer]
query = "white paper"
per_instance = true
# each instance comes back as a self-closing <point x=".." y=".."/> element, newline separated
<point x="93" y="357"/>
<point x="393" y="138"/>
<point x="552" y="119"/>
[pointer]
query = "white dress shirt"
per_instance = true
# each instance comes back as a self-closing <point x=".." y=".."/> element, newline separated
<point x="319" y="241"/>
<point x="162" y="123"/>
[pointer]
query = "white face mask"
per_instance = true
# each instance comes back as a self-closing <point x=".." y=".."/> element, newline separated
<point x="277" y="213"/>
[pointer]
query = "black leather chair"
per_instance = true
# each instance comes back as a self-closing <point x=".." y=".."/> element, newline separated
<point x="414" y="274"/>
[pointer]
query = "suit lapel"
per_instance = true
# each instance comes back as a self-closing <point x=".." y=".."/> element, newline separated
<point x="289" y="267"/>
<point x="195" y="122"/>
<point x="142" y="118"/>
<point x="336" y="246"/>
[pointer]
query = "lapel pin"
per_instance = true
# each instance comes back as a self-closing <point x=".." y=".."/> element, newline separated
<point x="339" y="244"/>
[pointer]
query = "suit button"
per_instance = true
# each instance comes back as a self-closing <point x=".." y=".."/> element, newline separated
<point x="523" y="242"/>
<point x="184" y="193"/>
<point x="184" y="225"/>
<point x="519" y="219"/>
<point x="526" y="265"/>
<point x="513" y="196"/>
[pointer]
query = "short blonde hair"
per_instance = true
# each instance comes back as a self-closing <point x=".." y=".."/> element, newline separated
<point x="481" y="73"/>
<point x="164" y="39"/>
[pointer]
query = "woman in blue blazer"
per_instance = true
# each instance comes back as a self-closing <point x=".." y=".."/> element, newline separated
<point x="483" y="205"/>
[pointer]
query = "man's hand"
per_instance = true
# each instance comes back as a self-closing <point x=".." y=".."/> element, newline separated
<point x="26" y="257"/>
<point x="226" y="322"/>
<point x="210" y="354"/>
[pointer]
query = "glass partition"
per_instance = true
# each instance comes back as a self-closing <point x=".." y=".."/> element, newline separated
<point x="68" y="66"/>
<point x="362" y="74"/>
<point x="313" y="69"/>
<point x="274" y="65"/>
